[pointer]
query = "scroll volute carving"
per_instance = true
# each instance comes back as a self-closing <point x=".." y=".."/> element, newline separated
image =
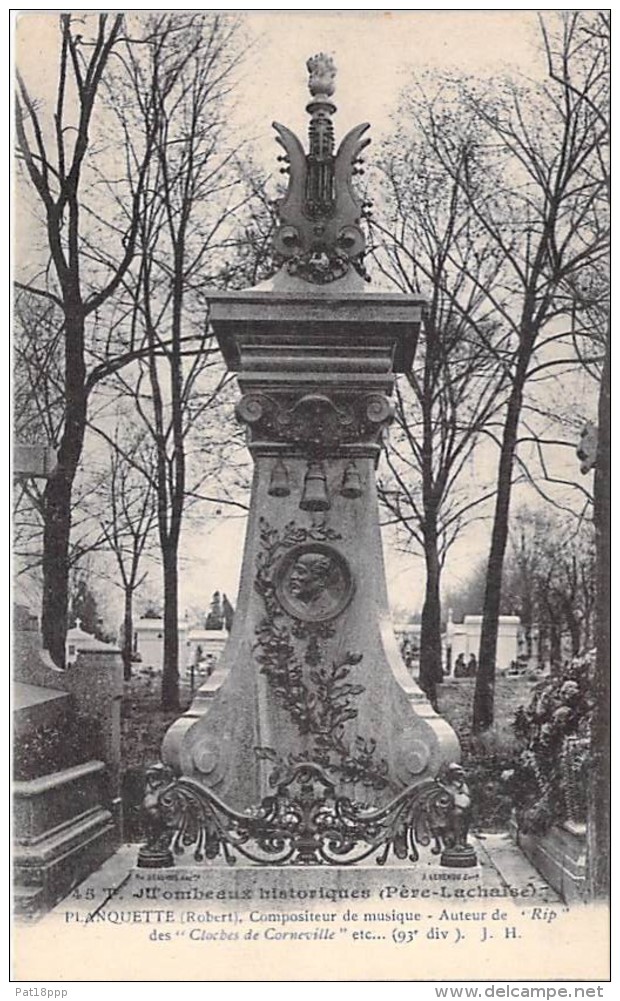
<point x="314" y="421"/>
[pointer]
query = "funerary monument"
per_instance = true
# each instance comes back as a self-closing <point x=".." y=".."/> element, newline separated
<point x="311" y="743"/>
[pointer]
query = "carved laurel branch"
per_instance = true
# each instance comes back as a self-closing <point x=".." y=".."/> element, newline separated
<point x="304" y="822"/>
<point x="321" y="268"/>
<point x="320" y="698"/>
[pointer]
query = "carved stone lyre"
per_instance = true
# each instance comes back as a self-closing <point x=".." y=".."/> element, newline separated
<point x="319" y="234"/>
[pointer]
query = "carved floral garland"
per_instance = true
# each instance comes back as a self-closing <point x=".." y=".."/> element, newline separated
<point x="318" y="696"/>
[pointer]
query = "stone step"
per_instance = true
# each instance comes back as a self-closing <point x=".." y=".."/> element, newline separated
<point x="513" y="867"/>
<point x="28" y="901"/>
<point x="47" y="871"/>
<point x="559" y="856"/>
<point x="48" y="803"/>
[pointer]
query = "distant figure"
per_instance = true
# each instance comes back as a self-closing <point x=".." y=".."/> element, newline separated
<point x="472" y="666"/>
<point x="460" y="669"/>
<point x="406" y="653"/>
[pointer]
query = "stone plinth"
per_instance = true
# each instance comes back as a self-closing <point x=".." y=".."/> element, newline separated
<point x="311" y="670"/>
<point x="67" y="820"/>
<point x="93" y="684"/>
<point x="560" y="857"/>
<point x="62" y="832"/>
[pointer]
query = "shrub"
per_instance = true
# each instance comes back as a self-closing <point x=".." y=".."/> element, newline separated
<point x="491" y="799"/>
<point x="547" y="782"/>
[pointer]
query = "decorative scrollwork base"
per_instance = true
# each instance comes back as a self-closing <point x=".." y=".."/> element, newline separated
<point x="305" y="822"/>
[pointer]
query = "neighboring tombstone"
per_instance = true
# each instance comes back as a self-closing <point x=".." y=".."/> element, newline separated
<point x="77" y="640"/>
<point x="67" y="806"/>
<point x="33" y="461"/>
<point x="68" y="816"/>
<point x="149" y="643"/>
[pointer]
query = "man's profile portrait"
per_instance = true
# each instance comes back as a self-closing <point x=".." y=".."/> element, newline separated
<point x="313" y="582"/>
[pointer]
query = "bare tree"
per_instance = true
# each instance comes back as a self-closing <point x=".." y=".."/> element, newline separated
<point x="38" y="389"/>
<point x="422" y="235"/>
<point x="126" y="512"/>
<point x="38" y="398"/>
<point x="186" y="209"/>
<point x="530" y="181"/>
<point x="589" y="291"/>
<point x="555" y="245"/>
<point x="56" y="152"/>
<point x="549" y="580"/>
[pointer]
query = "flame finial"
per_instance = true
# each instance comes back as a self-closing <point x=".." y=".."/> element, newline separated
<point x="322" y="70"/>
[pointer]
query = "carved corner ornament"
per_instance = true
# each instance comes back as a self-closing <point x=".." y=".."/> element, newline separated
<point x="156" y="852"/>
<point x="457" y="852"/>
<point x="319" y="235"/>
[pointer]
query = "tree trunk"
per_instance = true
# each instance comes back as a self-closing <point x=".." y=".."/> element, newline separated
<point x="57" y="521"/>
<point x="574" y="629"/>
<point x="526" y="621"/>
<point x="543" y="630"/>
<point x="599" y="773"/>
<point x="56" y="534"/>
<point x="555" y="646"/>
<point x="170" y="666"/>
<point x="127" y="650"/>
<point x="431" y="672"/>
<point x="484" y="693"/>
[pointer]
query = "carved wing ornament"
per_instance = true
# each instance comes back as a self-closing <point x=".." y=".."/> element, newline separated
<point x="287" y="239"/>
<point x="348" y="154"/>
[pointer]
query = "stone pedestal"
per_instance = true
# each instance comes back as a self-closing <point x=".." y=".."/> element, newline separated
<point x="560" y="857"/>
<point x="311" y="671"/>
<point x="67" y="816"/>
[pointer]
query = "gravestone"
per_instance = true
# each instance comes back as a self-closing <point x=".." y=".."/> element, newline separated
<point x="311" y="708"/>
<point x="67" y="808"/>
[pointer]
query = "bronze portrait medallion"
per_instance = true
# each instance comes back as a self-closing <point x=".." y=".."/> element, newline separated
<point x="313" y="582"/>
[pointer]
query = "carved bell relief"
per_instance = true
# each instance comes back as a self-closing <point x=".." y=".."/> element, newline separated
<point x="351" y="482"/>
<point x="315" y="496"/>
<point x="278" y="482"/>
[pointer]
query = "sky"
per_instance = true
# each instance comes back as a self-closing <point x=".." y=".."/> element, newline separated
<point x="376" y="53"/>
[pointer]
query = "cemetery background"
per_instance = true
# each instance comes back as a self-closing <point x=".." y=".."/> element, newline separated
<point x="118" y="495"/>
